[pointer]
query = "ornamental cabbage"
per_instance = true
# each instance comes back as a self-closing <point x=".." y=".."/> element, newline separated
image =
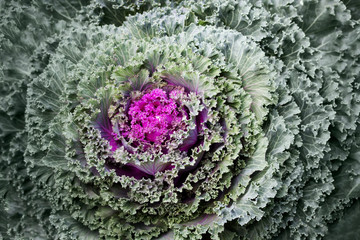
<point x="179" y="119"/>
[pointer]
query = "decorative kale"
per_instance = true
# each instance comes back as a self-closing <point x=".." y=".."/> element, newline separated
<point x="216" y="119"/>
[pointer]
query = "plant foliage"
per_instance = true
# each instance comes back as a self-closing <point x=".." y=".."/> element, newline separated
<point x="179" y="119"/>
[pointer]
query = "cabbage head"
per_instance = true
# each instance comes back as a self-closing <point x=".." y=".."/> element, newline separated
<point x="209" y="119"/>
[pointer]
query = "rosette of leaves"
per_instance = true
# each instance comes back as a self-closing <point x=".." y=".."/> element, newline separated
<point x="152" y="133"/>
<point x="179" y="120"/>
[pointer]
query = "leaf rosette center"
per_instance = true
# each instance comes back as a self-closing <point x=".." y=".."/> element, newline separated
<point x="151" y="118"/>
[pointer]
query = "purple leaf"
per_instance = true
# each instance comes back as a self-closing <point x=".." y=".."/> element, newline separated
<point x="190" y="141"/>
<point x="103" y="124"/>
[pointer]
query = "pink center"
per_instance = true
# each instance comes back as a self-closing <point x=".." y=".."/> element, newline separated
<point x="153" y="117"/>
